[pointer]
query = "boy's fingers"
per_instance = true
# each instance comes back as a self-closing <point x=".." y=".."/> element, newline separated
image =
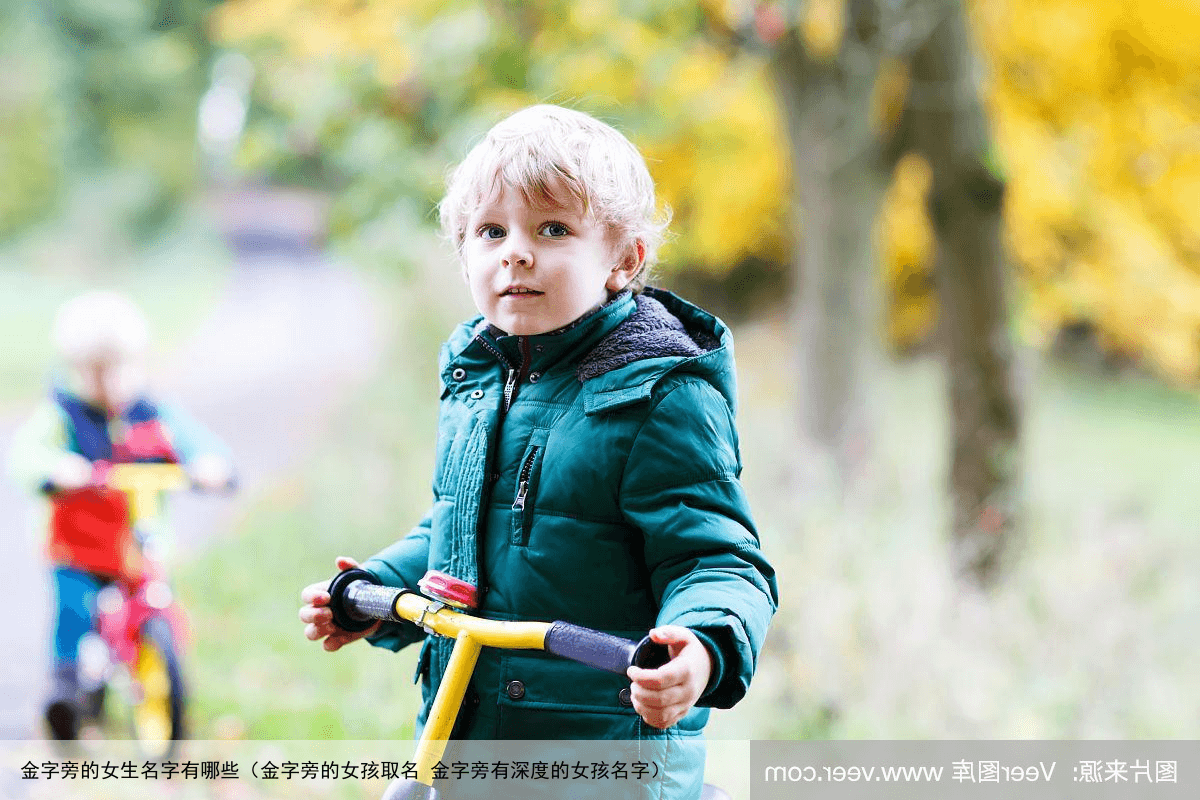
<point x="661" y="719"/>
<point x="669" y="634"/>
<point x="659" y="700"/>
<point x="663" y="677"/>
<point x="313" y="592"/>
<point x="335" y="641"/>
<point x="319" y="615"/>
<point x="657" y="683"/>
<point x="674" y="636"/>
<point x="345" y="563"/>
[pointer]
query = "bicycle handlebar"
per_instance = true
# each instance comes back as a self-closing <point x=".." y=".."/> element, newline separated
<point x="150" y="477"/>
<point x="603" y="651"/>
<point x="357" y="599"/>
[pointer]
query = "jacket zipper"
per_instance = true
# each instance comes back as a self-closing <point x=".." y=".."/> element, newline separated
<point x="523" y="481"/>
<point x="510" y="391"/>
<point x="510" y="386"/>
<point x="515" y="375"/>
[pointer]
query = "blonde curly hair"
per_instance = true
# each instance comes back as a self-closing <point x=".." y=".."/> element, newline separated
<point x="100" y="325"/>
<point x="541" y="144"/>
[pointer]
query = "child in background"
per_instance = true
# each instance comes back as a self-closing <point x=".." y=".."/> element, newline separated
<point x="587" y="460"/>
<point x="97" y="415"/>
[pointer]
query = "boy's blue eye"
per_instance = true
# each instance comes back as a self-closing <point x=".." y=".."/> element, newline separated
<point x="555" y="229"/>
<point x="491" y="232"/>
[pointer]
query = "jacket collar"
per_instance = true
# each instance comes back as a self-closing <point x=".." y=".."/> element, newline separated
<point x="650" y="332"/>
<point x="620" y="351"/>
<point x="475" y="339"/>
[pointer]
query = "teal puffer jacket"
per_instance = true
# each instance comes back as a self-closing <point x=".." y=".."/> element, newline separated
<point x="590" y="475"/>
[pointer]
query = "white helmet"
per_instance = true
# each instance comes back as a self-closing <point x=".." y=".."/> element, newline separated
<point x="100" y="326"/>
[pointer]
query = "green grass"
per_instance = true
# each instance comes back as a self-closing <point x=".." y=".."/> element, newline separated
<point x="174" y="280"/>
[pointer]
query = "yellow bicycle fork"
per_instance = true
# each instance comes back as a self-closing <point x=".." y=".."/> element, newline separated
<point x="470" y="634"/>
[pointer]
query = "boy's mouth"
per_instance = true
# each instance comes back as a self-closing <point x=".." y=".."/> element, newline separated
<point x="519" y="291"/>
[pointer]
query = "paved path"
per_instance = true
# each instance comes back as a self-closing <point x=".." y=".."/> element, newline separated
<point x="288" y="341"/>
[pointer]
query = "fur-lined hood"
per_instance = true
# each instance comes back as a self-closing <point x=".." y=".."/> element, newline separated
<point x="663" y="334"/>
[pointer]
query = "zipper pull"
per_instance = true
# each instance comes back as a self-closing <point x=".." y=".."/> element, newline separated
<point x="509" y="386"/>
<point x="523" y="478"/>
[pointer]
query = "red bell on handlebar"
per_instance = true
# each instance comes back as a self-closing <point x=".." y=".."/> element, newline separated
<point x="449" y="590"/>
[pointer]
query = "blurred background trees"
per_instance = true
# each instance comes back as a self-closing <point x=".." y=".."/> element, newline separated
<point x="741" y="107"/>
<point x="802" y="145"/>
<point x="99" y="101"/>
<point x="863" y="83"/>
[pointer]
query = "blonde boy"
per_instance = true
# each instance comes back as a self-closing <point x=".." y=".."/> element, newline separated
<point x="587" y="460"/>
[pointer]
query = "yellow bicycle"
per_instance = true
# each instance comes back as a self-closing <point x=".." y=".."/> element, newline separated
<point x="357" y="599"/>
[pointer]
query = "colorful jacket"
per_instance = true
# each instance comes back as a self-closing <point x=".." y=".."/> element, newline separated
<point x="590" y="475"/>
<point x="88" y="529"/>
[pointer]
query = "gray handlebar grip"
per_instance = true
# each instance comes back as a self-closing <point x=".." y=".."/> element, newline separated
<point x="603" y="651"/>
<point x="372" y="602"/>
<point x="357" y="599"/>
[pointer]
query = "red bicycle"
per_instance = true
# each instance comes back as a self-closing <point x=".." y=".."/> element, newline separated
<point x="131" y="666"/>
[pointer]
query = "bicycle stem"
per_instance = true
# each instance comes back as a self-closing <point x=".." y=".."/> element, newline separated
<point x="357" y="597"/>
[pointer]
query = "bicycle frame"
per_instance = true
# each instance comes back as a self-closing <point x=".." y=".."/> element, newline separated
<point x="128" y="607"/>
<point x="123" y="609"/>
<point x="147" y="593"/>
<point x="357" y="600"/>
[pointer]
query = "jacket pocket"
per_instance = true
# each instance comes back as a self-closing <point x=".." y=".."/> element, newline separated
<point x="542" y="696"/>
<point x="528" y="472"/>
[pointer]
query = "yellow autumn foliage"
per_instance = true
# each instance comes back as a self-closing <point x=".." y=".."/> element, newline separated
<point x="1096" y="110"/>
<point x="822" y="23"/>
<point x="715" y="146"/>
<point x="1094" y="105"/>
<point x="328" y="29"/>
<point x="907" y="247"/>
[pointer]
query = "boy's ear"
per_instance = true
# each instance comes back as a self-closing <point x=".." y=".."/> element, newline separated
<point x="632" y="256"/>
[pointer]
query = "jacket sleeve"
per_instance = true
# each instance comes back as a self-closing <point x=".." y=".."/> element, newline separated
<point x="681" y="488"/>
<point x="401" y="565"/>
<point x="37" y="447"/>
<point x="189" y="438"/>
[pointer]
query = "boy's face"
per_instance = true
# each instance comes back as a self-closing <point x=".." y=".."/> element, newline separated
<point x="109" y="384"/>
<point x="535" y="268"/>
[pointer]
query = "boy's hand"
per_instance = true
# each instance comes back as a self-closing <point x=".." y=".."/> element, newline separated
<point x="319" y="619"/>
<point x="662" y="696"/>
<point x="211" y="472"/>
<point x="71" y="471"/>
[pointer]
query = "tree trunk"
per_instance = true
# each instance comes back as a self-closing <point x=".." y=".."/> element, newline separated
<point x="949" y="128"/>
<point x="838" y="186"/>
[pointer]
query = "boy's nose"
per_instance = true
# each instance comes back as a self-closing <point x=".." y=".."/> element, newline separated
<point x="519" y="258"/>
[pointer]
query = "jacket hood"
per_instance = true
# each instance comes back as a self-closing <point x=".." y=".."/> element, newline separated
<point x="665" y="333"/>
<point x="651" y="331"/>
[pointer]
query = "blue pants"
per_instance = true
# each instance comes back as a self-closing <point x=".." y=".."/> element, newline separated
<point x="75" y="600"/>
